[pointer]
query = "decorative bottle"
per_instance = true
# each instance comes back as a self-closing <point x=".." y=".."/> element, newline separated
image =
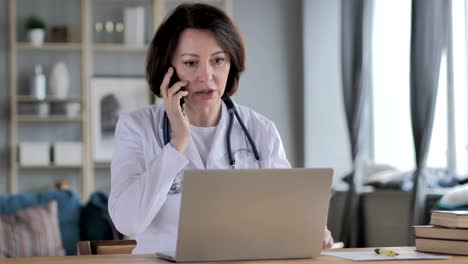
<point x="38" y="84"/>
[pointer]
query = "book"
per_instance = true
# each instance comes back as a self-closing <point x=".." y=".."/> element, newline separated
<point x="453" y="219"/>
<point x="442" y="246"/>
<point x="429" y="231"/>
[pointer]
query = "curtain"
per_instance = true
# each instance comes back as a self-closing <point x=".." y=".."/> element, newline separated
<point x="356" y="52"/>
<point x="429" y="37"/>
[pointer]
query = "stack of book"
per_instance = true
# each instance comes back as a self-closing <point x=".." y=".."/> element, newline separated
<point x="448" y="233"/>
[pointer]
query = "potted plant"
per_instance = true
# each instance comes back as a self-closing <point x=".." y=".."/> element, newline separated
<point x="36" y="30"/>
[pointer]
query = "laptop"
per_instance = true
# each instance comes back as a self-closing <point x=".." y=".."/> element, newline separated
<point x="252" y="214"/>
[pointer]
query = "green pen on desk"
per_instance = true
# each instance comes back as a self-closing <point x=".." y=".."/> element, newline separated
<point x="385" y="252"/>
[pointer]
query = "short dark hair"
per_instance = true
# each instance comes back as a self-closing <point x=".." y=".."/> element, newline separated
<point x="195" y="16"/>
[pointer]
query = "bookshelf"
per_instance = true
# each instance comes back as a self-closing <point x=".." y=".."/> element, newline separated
<point x="50" y="47"/>
<point x="51" y="118"/>
<point x="119" y="48"/>
<point x="102" y="165"/>
<point x="48" y="167"/>
<point x="28" y="98"/>
<point x="87" y="51"/>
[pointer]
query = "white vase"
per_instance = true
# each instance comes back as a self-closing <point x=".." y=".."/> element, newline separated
<point x="59" y="80"/>
<point x="36" y="36"/>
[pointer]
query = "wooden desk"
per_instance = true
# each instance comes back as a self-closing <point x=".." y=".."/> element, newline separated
<point x="152" y="259"/>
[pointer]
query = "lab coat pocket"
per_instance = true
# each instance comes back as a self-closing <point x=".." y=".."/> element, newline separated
<point x="245" y="159"/>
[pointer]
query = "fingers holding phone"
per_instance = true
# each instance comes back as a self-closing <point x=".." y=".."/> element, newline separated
<point x="172" y="90"/>
<point x="169" y="80"/>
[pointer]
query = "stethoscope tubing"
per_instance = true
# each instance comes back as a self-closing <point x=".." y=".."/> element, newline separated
<point x="232" y="112"/>
<point x="177" y="184"/>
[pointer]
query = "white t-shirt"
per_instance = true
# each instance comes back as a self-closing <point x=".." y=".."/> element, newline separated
<point x="203" y="139"/>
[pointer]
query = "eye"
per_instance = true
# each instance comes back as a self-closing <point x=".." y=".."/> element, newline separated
<point x="218" y="60"/>
<point x="190" y="63"/>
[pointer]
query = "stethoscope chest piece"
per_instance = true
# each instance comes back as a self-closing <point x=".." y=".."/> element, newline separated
<point x="176" y="186"/>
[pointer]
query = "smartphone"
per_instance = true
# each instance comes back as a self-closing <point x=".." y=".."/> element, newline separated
<point x="174" y="79"/>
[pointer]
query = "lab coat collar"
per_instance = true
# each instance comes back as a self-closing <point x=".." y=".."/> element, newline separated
<point x="218" y="146"/>
<point x="192" y="154"/>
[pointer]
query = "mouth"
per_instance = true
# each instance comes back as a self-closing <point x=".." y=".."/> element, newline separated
<point x="206" y="94"/>
<point x="205" y="91"/>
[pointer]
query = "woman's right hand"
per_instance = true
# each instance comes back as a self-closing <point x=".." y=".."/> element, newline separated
<point x="180" y="124"/>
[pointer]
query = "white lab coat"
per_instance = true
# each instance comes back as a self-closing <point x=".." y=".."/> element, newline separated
<point x="143" y="170"/>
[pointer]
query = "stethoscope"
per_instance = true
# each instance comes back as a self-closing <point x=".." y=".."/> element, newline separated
<point x="177" y="184"/>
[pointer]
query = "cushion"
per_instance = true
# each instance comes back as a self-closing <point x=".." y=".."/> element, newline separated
<point x="387" y="179"/>
<point x="96" y="223"/>
<point x="31" y="232"/>
<point x="455" y="199"/>
<point x="69" y="209"/>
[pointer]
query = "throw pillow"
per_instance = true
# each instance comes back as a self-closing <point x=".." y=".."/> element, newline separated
<point x="69" y="210"/>
<point x="455" y="199"/>
<point x="32" y="231"/>
<point x="96" y="223"/>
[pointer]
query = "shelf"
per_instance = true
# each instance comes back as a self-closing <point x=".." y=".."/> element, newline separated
<point x="32" y="99"/>
<point x="102" y="165"/>
<point x="31" y="167"/>
<point x="50" y="46"/>
<point x="85" y="57"/>
<point x="56" y="118"/>
<point x="119" y="48"/>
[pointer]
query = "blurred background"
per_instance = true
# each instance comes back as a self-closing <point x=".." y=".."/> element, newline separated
<point x="375" y="90"/>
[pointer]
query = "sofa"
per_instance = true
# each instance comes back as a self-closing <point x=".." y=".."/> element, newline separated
<point x="30" y="221"/>
<point x="383" y="217"/>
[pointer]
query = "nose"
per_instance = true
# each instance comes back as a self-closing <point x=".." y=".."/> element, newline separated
<point x="205" y="72"/>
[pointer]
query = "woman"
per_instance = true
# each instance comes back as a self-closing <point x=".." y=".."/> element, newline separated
<point x="196" y="56"/>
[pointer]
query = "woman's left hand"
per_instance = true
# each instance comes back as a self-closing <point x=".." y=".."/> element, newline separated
<point x="327" y="239"/>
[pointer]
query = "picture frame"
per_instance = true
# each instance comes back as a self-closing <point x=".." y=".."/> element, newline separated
<point x="111" y="96"/>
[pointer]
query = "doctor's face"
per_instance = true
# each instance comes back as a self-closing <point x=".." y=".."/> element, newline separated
<point x="203" y="63"/>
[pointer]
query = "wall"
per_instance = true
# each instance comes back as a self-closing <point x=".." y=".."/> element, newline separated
<point x="326" y="139"/>
<point x="274" y="71"/>
<point x="272" y="83"/>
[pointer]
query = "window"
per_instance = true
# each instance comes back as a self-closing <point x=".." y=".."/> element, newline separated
<point x="393" y="142"/>
<point x="392" y="132"/>
<point x="460" y="91"/>
<point x="438" y="148"/>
